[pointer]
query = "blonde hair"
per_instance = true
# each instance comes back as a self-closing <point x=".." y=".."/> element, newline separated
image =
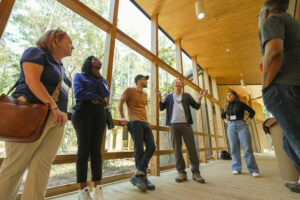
<point x="47" y="41"/>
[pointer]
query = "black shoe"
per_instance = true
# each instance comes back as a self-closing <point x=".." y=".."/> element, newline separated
<point x="293" y="187"/>
<point x="139" y="181"/>
<point x="149" y="185"/>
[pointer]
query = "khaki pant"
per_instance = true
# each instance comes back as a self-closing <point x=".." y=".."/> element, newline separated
<point x="37" y="156"/>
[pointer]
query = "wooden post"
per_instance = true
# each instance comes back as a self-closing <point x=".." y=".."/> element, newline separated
<point x="179" y="68"/>
<point x="220" y="124"/>
<point x="298" y="10"/>
<point x="210" y="116"/>
<point x="179" y="65"/>
<point x="110" y="42"/>
<point x="256" y="130"/>
<point x="199" y="118"/>
<point x="109" y="53"/>
<point x="155" y="161"/>
<point x="6" y="7"/>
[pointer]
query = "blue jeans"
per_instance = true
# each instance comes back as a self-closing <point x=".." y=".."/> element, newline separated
<point x="283" y="101"/>
<point x="238" y="134"/>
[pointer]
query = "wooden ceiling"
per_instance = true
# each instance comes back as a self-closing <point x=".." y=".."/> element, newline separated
<point x="228" y="24"/>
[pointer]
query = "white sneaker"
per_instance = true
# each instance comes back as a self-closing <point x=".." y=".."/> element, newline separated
<point x="235" y="172"/>
<point x="97" y="195"/>
<point x="256" y="175"/>
<point x="84" y="194"/>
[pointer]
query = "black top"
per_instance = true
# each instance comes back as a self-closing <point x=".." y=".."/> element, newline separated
<point x="187" y="101"/>
<point x="287" y="28"/>
<point x="237" y="108"/>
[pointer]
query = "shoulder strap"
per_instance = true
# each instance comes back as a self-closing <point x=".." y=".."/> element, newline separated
<point x="56" y="92"/>
<point x="11" y="89"/>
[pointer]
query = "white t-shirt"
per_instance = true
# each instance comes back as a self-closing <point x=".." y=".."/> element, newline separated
<point x="178" y="115"/>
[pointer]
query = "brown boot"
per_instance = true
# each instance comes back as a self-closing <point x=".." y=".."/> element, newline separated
<point x="197" y="177"/>
<point x="181" y="177"/>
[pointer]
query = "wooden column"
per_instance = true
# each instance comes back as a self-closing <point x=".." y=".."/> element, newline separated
<point x="6" y="7"/>
<point x="109" y="52"/>
<point x="110" y="42"/>
<point x="256" y="130"/>
<point x="179" y="68"/>
<point x="298" y="10"/>
<point x="155" y="161"/>
<point x="179" y="65"/>
<point x="210" y="116"/>
<point x="220" y="124"/>
<point x="199" y="118"/>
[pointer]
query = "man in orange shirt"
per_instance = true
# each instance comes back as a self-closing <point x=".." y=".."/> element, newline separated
<point x="136" y="100"/>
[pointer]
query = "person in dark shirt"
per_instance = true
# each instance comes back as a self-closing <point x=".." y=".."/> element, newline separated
<point x="89" y="120"/>
<point x="279" y="35"/>
<point x="42" y="73"/>
<point x="238" y="134"/>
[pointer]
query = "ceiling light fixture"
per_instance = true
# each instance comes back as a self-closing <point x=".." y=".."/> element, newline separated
<point x="199" y="5"/>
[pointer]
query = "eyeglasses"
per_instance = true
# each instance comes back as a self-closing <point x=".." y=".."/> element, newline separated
<point x="56" y="32"/>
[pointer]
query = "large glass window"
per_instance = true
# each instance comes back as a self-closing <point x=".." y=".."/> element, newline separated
<point x="118" y="139"/>
<point x="187" y="65"/>
<point x="167" y="160"/>
<point x="28" y="21"/>
<point x="134" y="23"/>
<point x="165" y="87"/>
<point x="118" y="166"/>
<point x="101" y="7"/>
<point x="166" y="49"/>
<point x="128" y="64"/>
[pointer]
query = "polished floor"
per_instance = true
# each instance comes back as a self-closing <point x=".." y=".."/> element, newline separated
<point x="220" y="185"/>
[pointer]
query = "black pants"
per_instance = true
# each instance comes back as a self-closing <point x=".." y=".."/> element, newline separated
<point x="141" y="133"/>
<point x="89" y="121"/>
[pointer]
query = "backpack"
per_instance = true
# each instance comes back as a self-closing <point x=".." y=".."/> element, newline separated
<point x="224" y="155"/>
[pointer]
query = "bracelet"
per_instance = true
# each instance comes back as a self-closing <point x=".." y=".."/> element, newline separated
<point x="123" y="118"/>
<point x="53" y="107"/>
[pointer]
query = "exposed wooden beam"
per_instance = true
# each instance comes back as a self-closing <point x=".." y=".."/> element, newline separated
<point x="6" y="7"/>
<point x="199" y="118"/>
<point x="90" y="15"/>
<point x="87" y="13"/>
<point x="255" y="125"/>
<point x="210" y="115"/>
<point x="219" y="121"/>
<point x="109" y="54"/>
<point x="298" y="10"/>
<point x="179" y="65"/>
<point x="155" y="161"/>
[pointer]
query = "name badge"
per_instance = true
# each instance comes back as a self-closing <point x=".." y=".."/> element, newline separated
<point x="232" y="117"/>
<point x="65" y="87"/>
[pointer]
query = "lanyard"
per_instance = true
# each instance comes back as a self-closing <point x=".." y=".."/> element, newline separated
<point x="233" y="109"/>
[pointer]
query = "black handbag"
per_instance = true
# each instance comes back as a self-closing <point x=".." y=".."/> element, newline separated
<point x="109" y="119"/>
